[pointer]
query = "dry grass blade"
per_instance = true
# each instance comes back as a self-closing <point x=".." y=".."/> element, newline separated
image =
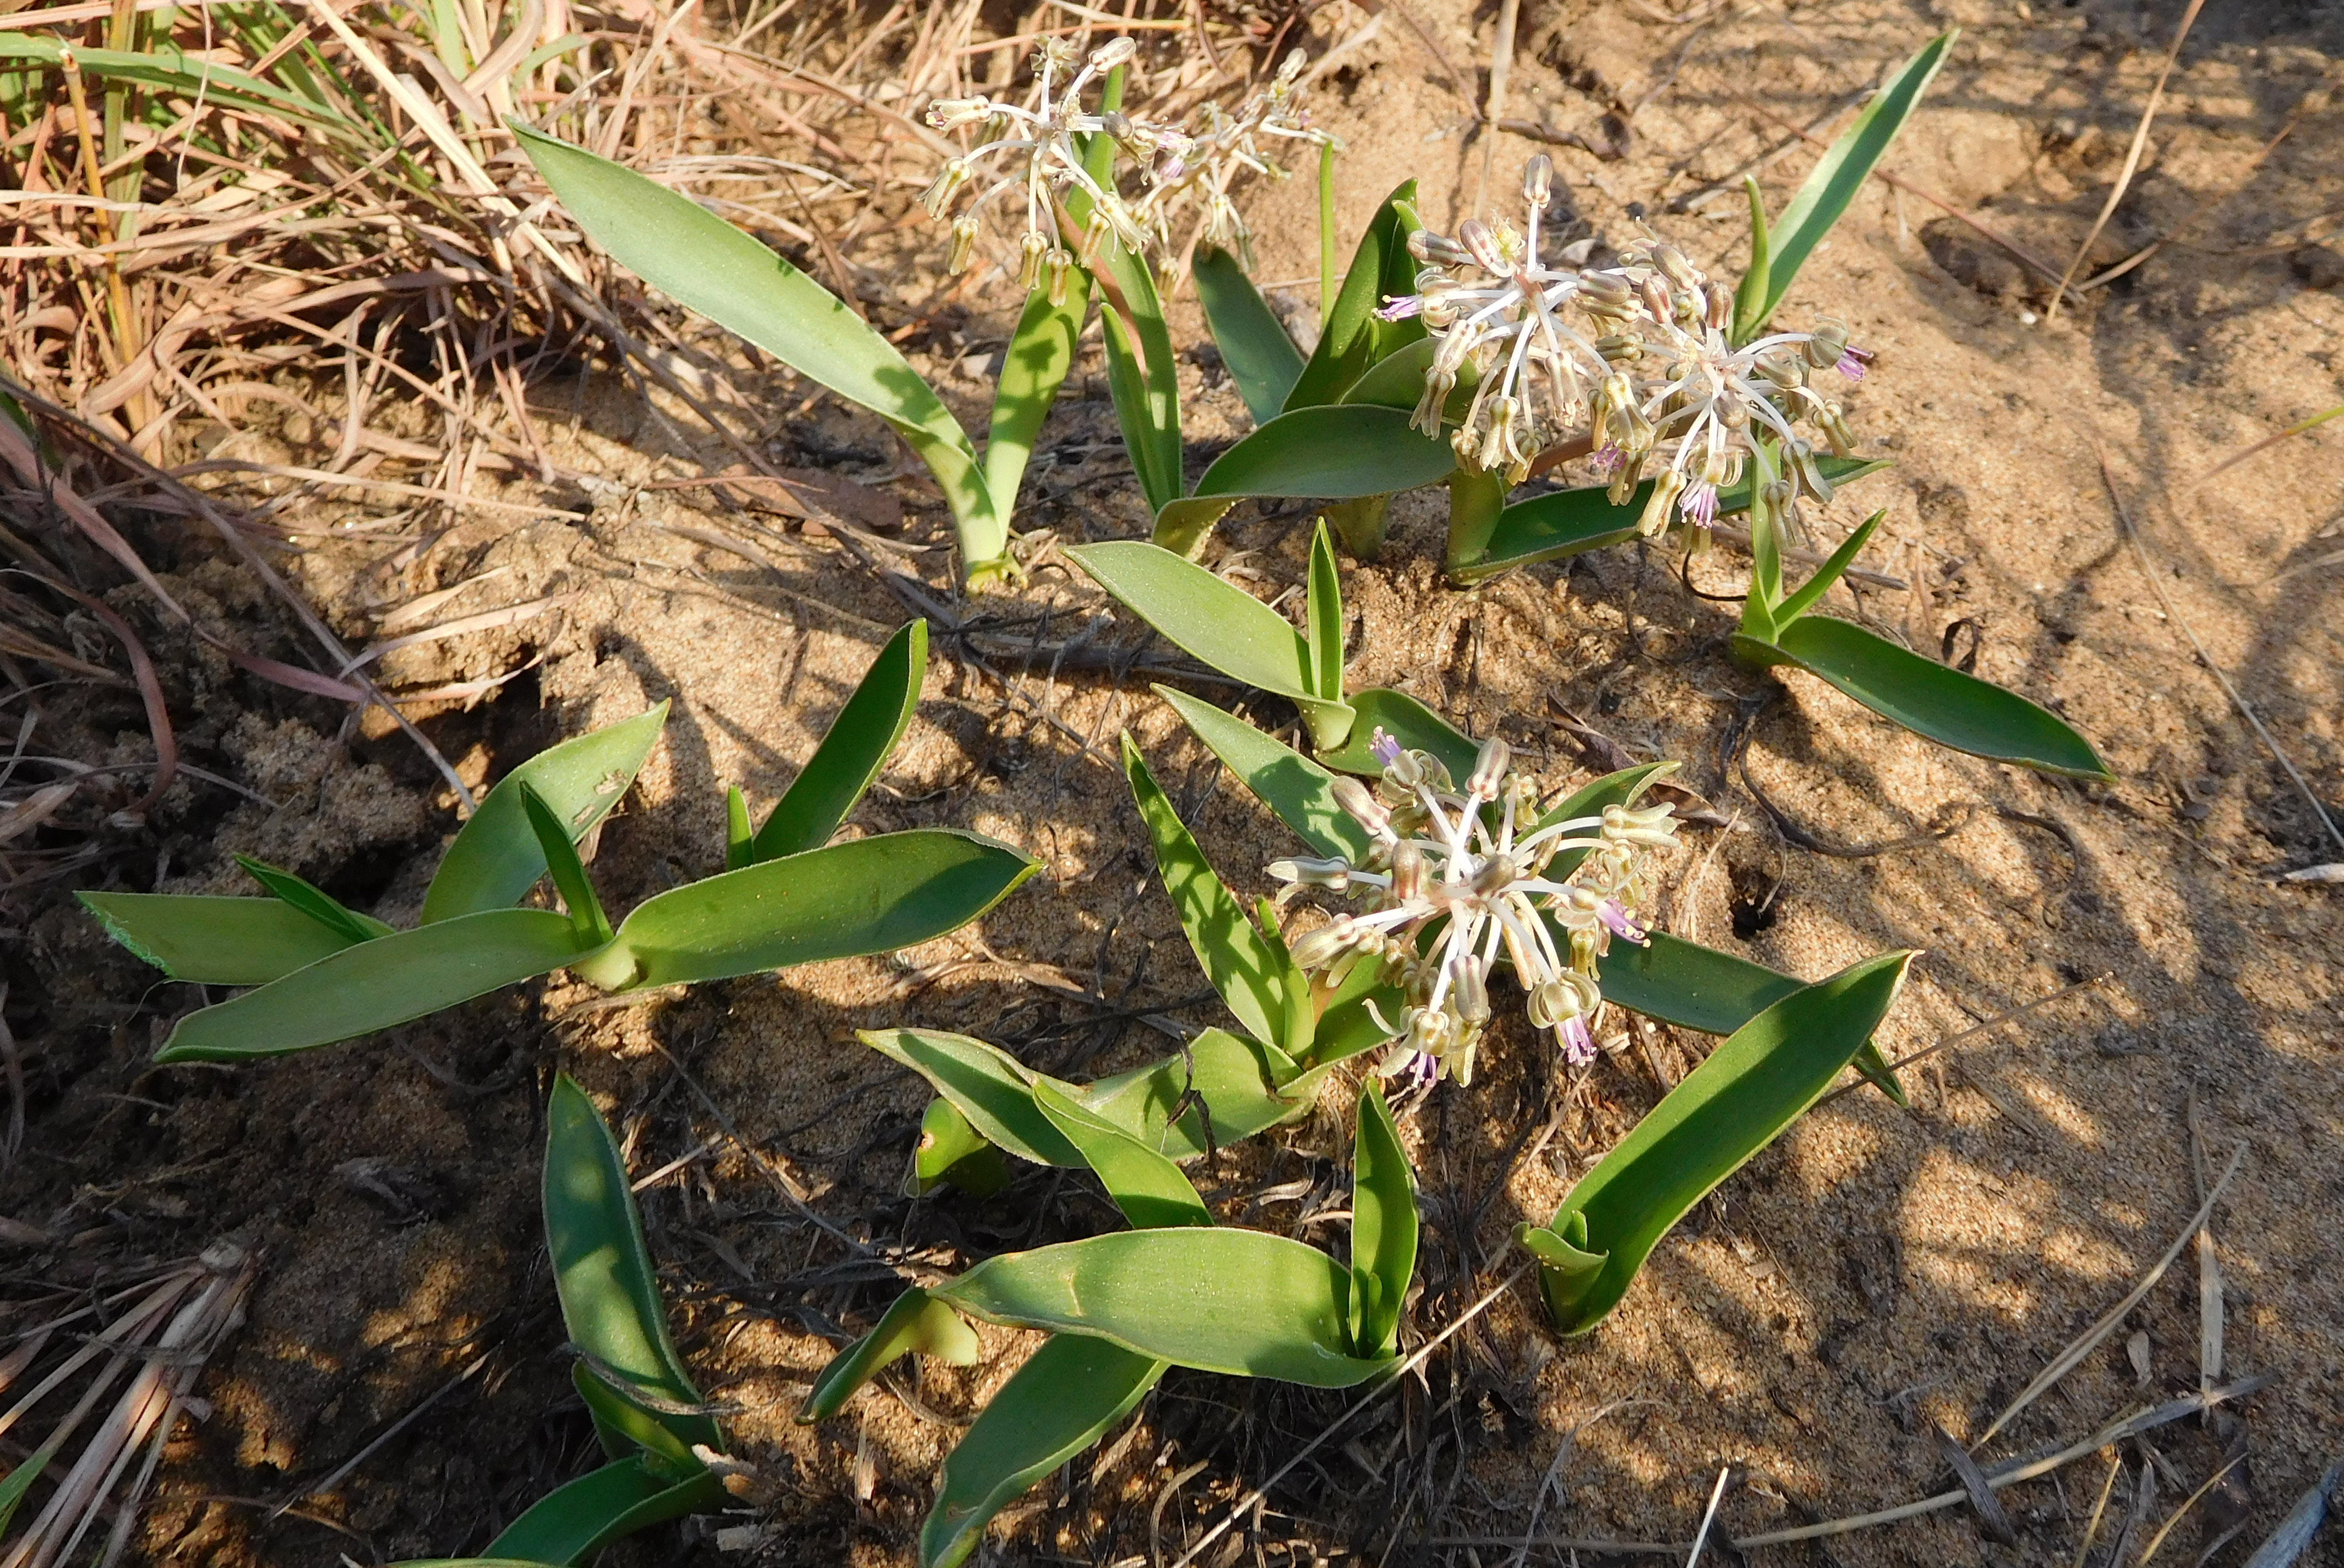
<point x="2302" y="1522"/>
<point x="2166" y="1529"/>
<point x="1996" y="1021"/>
<point x="2068" y="1360"/>
<point x="2132" y="158"/>
<point x="2099" y="1512"/>
<point x="2267" y="443"/>
<point x="1709" y="1517"/>
<point x="2210" y="1311"/>
<point x="1995" y="1521"/>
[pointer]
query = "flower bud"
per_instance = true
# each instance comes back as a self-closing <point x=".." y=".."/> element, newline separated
<point x="1656" y="510"/>
<point x="1482" y="245"/>
<point x="1490" y="766"/>
<point x="964" y="244"/>
<point x="950" y="114"/>
<point x="1317" y="949"/>
<point x="1671" y="261"/>
<point x="1361" y="806"/>
<point x="1824" y="348"/>
<point x="1308" y="873"/>
<point x="1031" y="249"/>
<point x="1537" y="182"/>
<point x="1720" y="299"/>
<point x="1113" y="53"/>
<point x="1408" y="873"/>
<point x="1058" y="263"/>
<point x="946" y="185"/>
<point x="1620" y="348"/>
<point x="1471" y="991"/>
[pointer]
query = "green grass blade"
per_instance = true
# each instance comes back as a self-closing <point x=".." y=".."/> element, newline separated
<point x="1351" y="338"/>
<point x="865" y="896"/>
<point x="739" y="837"/>
<point x="706" y="265"/>
<point x="19" y="1480"/>
<point x="1383" y="1227"/>
<point x="1934" y="701"/>
<point x="1570" y="522"/>
<point x="1145" y="1184"/>
<point x="1699" y="987"/>
<point x="215" y="940"/>
<point x="392" y="980"/>
<point x="496" y="859"/>
<point x="1836" y="180"/>
<point x="985" y="1084"/>
<point x="916" y="1321"/>
<point x="587" y="920"/>
<point x="1811" y="592"/>
<point x="1325" y="617"/>
<point x="314" y="902"/>
<point x="1299" y="791"/>
<point x="1261" y="359"/>
<point x="611" y="1304"/>
<point x="1034" y="367"/>
<point x="1406" y="720"/>
<point x="860" y="740"/>
<point x="1062" y="1400"/>
<point x="1258" y="981"/>
<point x="168" y="69"/>
<point x="574" y="1521"/>
<point x="1730" y="1107"/>
<point x="1335" y="452"/>
<point x="1242" y="1303"/>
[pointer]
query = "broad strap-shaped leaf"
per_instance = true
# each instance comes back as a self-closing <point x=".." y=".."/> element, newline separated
<point x="591" y="926"/>
<point x="1212" y="619"/>
<point x="1758" y="277"/>
<point x="706" y="265"/>
<point x="611" y="1304"/>
<point x="1353" y="1027"/>
<point x="1934" y="701"/>
<point x="1351" y="338"/>
<point x="314" y="901"/>
<point x="374" y="985"/>
<point x="1397" y="381"/>
<point x="1244" y="1085"/>
<point x="740" y="835"/>
<point x="495" y="859"/>
<point x="1383" y="1226"/>
<point x="1330" y="452"/>
<point x="215" y="940"/>
<point x="1261" y="359"/>
<point x="1406" y="720"/>
<point x="915" y="1321"/>
<point x="570" y="1523"/>
<point x="1256" y="979"/>
<point x="985" y="1084"/>
<point x="1758" y="616"/>
<point x="1833" y="183"/>
<point x="1299" y="791"/>
<point x="1733" y="1105"/>
<point x="865" y="896"/>
<point x="1243" y="1302"/>
<point x="951" y="1149"/>
<point x="1062" y="1400"/>
<point x="1145" y="1184"/>
<point x="1570" y="522"/>
<point x="1695" y="987"/>
<point x="1808" y="594"/>
<point x="860" y="739"/>
<point x="1033" y="368"/>
<point x="1477" y="499"/>
<point x="1323" y="630"/>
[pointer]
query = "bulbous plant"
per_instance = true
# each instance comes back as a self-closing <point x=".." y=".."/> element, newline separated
<point x="323" y="972"/>
<point x="1460" y="883"/>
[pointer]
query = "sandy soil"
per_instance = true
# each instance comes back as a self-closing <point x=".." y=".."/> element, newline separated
<point x="1876" y="1275"/>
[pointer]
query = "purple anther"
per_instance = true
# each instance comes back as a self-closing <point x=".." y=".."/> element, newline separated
<point x="1701" y="504"/>
<point x="1609" y="457"/>
<point x="1852" y="363"/>
<point x="1399" y="308"/>
<point x="1619" y="921"/>
<point x="1578" y="1044"/>
<point x="1383" y="747"/>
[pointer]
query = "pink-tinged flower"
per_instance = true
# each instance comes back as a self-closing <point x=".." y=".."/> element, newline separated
<point x="1852" y="362"/>
<point x="1400" y="307"/>
<point x="1608" y="458"/>
<point x="1383" y="747"/>
<point x="1620" y="922"/>
<point x="1578" y="1043"/>
<point x="1701" y="504"/>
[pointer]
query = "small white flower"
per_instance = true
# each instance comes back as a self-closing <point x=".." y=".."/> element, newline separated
<point x="1200" y="168"/>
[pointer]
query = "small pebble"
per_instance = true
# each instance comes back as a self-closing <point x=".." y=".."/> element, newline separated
<point x="2318" y="266"/>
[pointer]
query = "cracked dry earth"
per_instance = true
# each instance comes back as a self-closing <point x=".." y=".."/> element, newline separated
<point x="1875" y="1276"/>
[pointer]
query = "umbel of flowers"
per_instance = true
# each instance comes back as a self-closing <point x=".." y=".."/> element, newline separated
<point x="1477" y="862"/>
<point x="1637" y="358"/>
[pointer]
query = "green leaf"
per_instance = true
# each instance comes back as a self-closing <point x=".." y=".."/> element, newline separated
<point x="611" y="1304"/>
<point x="626" y="1424"/>
<point x="1040" y="353"/>
<point x="587" y="923"/>
<point x="213" y="940"/>
<point x="1695" y="987"/>
<point x="869" y="895"/>
<point x="1730" y="1107"/>
<point x="1296" y="789"/>
<point x="374" y="985"/>
<point x="574" y="1521"/>
<point x="1406" y="720"/>
<point x="1261" y="359"/>
<point x="951" y="1149"/>
<point x="1619" y="788"/>
<point x="1354" y="1026"/>
<point x="1145" y="1184"/>
<point x="1931" y="699"/>
<point x="863" y="736"/>
<point x="168" y="69"/>
<point x="1324" y="635"/>
<point x="1245" y="1085"/>
<point x="1476" y="501"/>
<point x="1062" y="1400"/>
<point x="1811" y="591"/>
<point x="1749" y="296"/>
<point x="985" y="1084"/>
<point x="916" y="1321"/>
<point x="1211" y="620"/>
<point x="1331" y="452"/>
<point x="1383" y="1227"/>
<point x="706" y="265"/>
<point x="1351" y="338"/>
<point x="739" y="835"/>
<point x="315" y="902"/>
<point x="1836" y="180"/>
<point x="1257" y="979"/>
<point x="1242" y="1303"/>
<point x="1397" y="381"/>
<point x="496" y="859"/>
<point x="1572" y="522"/>
<point x="1758" y="619"/>
<point x="19" y="1480"/>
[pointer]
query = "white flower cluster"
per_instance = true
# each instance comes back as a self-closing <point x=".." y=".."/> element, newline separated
<point x="1637" y="357"/>
<point x="1438" y="855"/>
<point x="1031" y="148"/>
